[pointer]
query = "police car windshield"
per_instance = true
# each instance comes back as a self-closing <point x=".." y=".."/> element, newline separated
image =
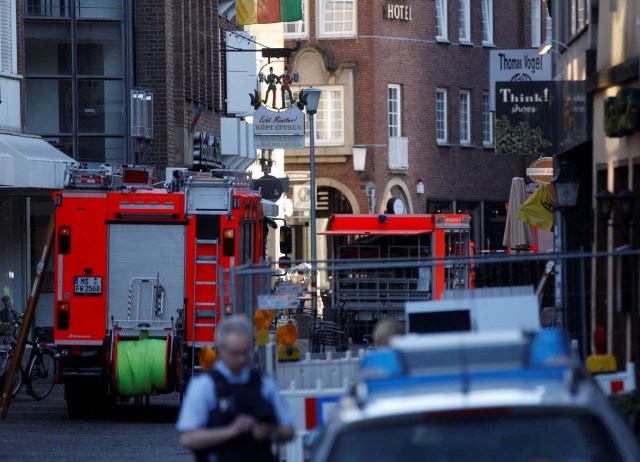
<point x="488" y="435"/>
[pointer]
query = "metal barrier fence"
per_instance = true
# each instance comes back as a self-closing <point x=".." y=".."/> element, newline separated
<point x="576" y="292"/>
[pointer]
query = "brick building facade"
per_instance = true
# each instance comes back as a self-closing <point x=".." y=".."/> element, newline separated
<point x="401" y="48"/>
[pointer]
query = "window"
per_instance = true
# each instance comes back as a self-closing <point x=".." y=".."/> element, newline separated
<point x="337" y="18"/>
<point x="465" y="22"/>
<point x="441" y="116"/>
<point x="578" y="15"/>
<point x="8" y="52"/>
<point x="487" y="22"/>
<point x="329" y="120"/>
<point x="465" y="117"/>
<point x="441" y="20"/>
<point x="487" y="121"/>
<point x="549" y="23"/>
<point x="395" y="128"/>
<point x="535" y="23"/>
<point x="298" y="29"/>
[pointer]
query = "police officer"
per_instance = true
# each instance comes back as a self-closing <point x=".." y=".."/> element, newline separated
<point x="233" y="413"/>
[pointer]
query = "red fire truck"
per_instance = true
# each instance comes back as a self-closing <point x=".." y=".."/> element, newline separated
<point x="381" y="256"/>
<point x="138" y="275"/>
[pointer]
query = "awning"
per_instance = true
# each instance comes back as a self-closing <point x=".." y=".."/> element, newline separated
<point x="31" y="162"/>
<point x="345" y="232"/>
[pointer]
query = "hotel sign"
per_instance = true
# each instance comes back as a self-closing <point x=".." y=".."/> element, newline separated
<point x="397" y="12"/>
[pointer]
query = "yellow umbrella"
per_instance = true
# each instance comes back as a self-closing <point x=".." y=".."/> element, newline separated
<point x="538" y="209"/>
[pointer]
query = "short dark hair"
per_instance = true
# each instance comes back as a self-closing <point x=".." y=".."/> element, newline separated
<point x="6" y="299"/>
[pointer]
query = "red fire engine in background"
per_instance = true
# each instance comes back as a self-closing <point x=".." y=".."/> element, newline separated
<point x="138" y="276"/>
<point x="386" y="251"/>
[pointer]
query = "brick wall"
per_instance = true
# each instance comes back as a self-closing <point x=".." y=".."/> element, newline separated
<point x="177" y="55"/>
<point x="405" y="52"/>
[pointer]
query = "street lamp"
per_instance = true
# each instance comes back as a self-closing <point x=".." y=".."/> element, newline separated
<point x="309" y="99"/>
<point x="359" y="160"/>
<point x="626" y="200"/>
<point x="565" y="186"/>
<point x="547" y="46"/>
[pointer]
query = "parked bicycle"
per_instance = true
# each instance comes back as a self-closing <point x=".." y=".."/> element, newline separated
<point x="6" y="356"/>
<point x="41" y="368"/>
<point x="40" y="372"/>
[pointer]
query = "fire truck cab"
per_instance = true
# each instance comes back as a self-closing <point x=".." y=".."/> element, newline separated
<point x="139" y="275"/>
<point x="391" y="259"/>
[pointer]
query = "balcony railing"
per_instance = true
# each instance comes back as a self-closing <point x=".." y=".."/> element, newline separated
<point x="399" y="153"/>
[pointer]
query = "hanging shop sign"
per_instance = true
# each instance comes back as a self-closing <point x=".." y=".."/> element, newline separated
<point x="526" y="122"/>
<point x="621" y="113"/>
<point x="279" y="141"/>
<point x="397" y="12"/>
<point x="541" y="170"/>
<point x="268" y="122"/>
<point x="517" y="65"/>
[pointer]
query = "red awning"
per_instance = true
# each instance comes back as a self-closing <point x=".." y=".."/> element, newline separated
<point x="345" y="232"/>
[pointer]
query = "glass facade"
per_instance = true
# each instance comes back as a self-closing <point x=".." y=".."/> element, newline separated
<point x="75" y="77"/>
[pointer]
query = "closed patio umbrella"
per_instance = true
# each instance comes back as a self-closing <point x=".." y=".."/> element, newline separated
<point x="518" y="235"/>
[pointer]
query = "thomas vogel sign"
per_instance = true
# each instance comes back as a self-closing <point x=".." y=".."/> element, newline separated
<point x="526" y="118"/>
<point x="517" y="65"/>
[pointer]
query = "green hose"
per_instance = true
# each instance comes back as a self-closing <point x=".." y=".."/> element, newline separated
<point x="141" y="366"/>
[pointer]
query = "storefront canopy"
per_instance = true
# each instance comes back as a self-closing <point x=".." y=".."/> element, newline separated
<point x="30" y="162"/>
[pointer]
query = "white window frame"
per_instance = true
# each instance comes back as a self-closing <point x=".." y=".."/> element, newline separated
<point x="536" y="23"/>
<point x="9" y="43"/>
<point x="579" y="16"/>
<point x="464" y="21"/>
<point x="394" y="110"/>
<point x="487" y="22"/>
<point x="487" y="121"/>
<point x="465" y="117"/>
<point x="327" y="97"/>
<point x="298" y="29"/>
<point x="549" y="24"/>
<point x="441" y="116"/>
<point x="442" y="33"/>
<point x="322" y="19"/>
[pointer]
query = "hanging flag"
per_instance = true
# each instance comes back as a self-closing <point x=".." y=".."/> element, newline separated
<point x="267" y="11"/>
<point x="538" y="209"/>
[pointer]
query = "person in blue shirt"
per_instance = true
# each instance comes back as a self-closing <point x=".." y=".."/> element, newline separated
<point x="233" y="412"/>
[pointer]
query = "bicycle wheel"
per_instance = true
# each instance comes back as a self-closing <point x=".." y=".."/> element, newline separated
<point x="40" y="375"/>
<point x="17" y="376"/>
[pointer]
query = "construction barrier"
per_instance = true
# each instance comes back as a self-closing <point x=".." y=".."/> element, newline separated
<point x="311" y="388"/>
<point x="617" y="382"/>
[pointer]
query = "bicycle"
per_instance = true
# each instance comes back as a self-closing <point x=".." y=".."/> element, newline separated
<point x="41" y="368"/>
<point x="6" y="356"/>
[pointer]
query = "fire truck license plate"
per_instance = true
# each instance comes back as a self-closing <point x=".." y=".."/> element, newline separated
<point x="84" y="285"/>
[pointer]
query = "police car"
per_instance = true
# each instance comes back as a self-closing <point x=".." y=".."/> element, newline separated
<point x="491" y="396"/>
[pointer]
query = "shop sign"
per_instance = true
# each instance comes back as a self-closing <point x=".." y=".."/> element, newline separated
<point x="526" y="121"/>
<point x="278" y="141"/>
<point x="268" y="122"/>
<point x="621" y="113"/>
<point x="517" y="65"/>
<point x="541" y="170"/>
<point x="299" y="175"/>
